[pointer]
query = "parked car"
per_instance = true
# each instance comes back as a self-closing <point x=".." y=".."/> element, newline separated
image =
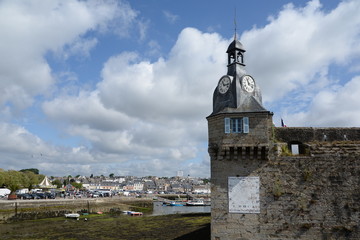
<point x="25" y="196"/>
<point x="19" y="195"/>
<point x="78" y="195"/>
<point x="39" y="195"/>
<point x="105" y="195"/>
<point x="95" y="195"/>
<point x="35" y="196"/>
<point x="50" y="195"/>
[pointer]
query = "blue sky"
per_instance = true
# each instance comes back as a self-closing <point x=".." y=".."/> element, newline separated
<point x="123" y="87"/>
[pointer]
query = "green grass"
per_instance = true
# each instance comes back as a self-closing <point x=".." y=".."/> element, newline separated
<point x="108" y="226"/>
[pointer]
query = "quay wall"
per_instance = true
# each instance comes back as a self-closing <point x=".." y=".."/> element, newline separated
<point x="12" y="210"/>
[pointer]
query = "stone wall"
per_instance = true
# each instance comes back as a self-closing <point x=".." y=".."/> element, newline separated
<point x="254" y="144"/>
<point x="309" y="134"/>
<point x="309" y="196"/>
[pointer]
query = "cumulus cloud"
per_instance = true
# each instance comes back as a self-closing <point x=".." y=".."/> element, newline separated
<point x="300" y="44"/>
<point x="291" y="57"/>
<point x="21" y="149"/>
<point x="30" y="29"/>
<point x="333" y="107"/>
<point x="168" y="87"/>
<point x="86" y="110"/>
<point x="149" y="112"/>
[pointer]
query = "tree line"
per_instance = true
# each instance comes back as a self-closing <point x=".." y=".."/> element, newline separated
<point x="15" y="180"/>
<point x="29" y="178"/>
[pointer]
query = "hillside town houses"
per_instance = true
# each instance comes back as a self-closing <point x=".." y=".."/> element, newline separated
<point x="142" y="184"/>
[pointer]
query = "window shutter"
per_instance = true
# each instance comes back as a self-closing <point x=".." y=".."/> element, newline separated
<point x="227" y="125"/>
<point x="246" y="124"/>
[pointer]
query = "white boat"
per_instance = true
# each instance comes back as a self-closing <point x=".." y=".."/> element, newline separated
<point x="72" y="215"/>
<point x="132" y="213"/>
<point x="195" y="203"/>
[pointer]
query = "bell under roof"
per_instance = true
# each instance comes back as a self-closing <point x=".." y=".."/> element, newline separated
<point x="236" y="44"/>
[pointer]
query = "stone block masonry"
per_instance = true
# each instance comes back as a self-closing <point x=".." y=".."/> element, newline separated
<point x="311" y="195"/>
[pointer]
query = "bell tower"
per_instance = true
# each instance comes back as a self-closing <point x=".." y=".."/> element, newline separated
<point x="237" y="90"/>
<point x="239" y="130"/>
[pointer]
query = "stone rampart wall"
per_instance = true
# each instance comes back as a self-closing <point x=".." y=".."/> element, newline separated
<point x="309" y="134"/>
<point x="313" y="196"/>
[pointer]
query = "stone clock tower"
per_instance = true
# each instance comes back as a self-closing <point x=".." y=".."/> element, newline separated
<point x="239" y="131"/>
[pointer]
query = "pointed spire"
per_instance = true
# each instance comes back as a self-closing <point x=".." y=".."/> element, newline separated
<point x="235" y="37"/>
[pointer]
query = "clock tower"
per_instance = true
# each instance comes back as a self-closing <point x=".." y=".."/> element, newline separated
<point x="237" y="89"/>
<point x="239" y="130"/>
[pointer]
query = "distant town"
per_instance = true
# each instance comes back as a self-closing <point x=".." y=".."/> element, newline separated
<point x="149" y="184"/>
<point x="29" y="180"/>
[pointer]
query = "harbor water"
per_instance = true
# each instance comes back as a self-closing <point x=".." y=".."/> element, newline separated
<point x="160" y="209"/>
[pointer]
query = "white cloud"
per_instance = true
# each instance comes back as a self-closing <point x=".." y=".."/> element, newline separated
<point x="172" y="18"/>
<point x="337" y="107"/>
<point x="21" y="149"/>
<point x="300" y="44"/>
<point x="86" y="110"/>
<point x="80" y="47"/>
<point x="166" y="88"/>
<point x="30" y="29"/>
<point x="292" y="55"/>
<point x="143" y="26"/>
<point x="18" y="139"/>
<point x="149" y="111"/>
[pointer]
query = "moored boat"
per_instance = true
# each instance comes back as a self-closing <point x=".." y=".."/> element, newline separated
<point x="177" y="204"/>
<point x="198" y="202"/>
<point x="131" y="213"/>
<point x="72" y="215"/>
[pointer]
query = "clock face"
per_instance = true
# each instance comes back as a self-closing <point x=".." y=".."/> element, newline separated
<point x="248" y="83"/>
<point x="224" y="84"/>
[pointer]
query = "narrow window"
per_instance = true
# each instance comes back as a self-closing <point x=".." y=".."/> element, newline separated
<point x="227" y="125"/>
<point x="246" y="124"/>
<point x="295" y="149"/>
<point x="233" y="124"/>
<point x="236" y="125"/>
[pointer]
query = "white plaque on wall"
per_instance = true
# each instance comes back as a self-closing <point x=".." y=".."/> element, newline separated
<point x="244" y="195"/>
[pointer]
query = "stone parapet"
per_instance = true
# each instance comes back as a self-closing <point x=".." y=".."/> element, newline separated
<point x="310" y="134"/>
